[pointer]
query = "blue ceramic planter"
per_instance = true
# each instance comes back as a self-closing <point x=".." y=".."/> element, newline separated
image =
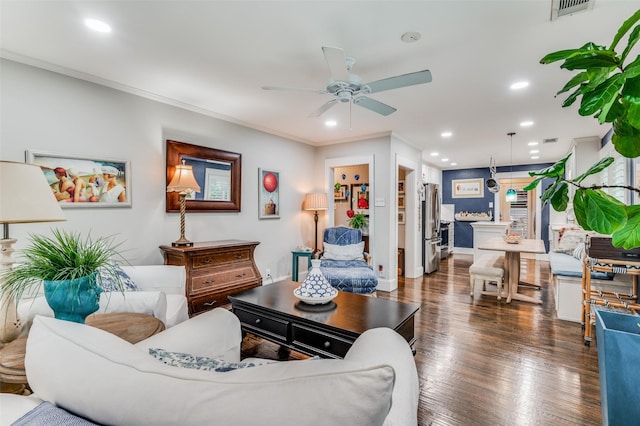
<point x="73" y="300"/>
<point x="619" y="367"/>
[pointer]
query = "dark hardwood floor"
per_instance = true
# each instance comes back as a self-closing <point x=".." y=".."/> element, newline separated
<point x="484" y="362"/>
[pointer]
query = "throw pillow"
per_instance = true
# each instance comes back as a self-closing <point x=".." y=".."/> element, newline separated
<point x="178" y="359"/>
<point x="108" y="283"/>
<point x="579" y="251"/>
<point x="570" y="240"/>
<point x="348" y="252"/>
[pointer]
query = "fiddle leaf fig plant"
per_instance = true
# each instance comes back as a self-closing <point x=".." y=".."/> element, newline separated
<point x="609" y="87"/>
<point x="358" y="221"/>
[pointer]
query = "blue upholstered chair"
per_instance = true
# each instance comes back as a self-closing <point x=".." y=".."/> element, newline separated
<point x="343" y="262"/>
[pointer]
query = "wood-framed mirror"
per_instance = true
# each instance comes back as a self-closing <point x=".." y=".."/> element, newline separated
<point x="218" y="173"/>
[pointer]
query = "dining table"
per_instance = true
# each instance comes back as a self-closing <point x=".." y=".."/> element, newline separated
<point x="512" y="253"/>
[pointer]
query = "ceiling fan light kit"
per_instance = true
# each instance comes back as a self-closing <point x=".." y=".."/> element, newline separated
<point x="347" y="87"/>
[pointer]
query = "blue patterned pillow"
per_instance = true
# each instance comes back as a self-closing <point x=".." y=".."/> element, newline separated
<point x="108" y="282"/>
<point x="178" y="359"/>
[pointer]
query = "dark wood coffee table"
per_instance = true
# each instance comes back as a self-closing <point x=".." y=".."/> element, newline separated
<point x="271" y="312"/>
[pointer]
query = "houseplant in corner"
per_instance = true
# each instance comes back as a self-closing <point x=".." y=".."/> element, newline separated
<point x="357" y="220"/>
<point x="71" y="269"/>
<point x="609" y="87"/>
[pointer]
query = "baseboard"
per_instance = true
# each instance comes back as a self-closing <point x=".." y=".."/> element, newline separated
<point x="387" y="284"/>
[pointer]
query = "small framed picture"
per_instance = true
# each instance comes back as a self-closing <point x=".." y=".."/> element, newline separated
<point x="83" y="181"/>
<point x="400" y="187"/>
<point x="360" y="197"/>
<point x="401" y="201"/>
<point x="268" y="194"/>
<point x="401" y="217"/>
<point x="340" y="192"/>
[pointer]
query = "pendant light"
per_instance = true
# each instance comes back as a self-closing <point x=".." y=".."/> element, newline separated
<point x="512" y="195"/>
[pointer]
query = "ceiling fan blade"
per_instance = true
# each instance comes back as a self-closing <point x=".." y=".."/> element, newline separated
<point x="396" y="82"/>
<point x="374" y="105"/>
<point x="336" y="62"/>
<point x="323" y="108"/>
<point x="298" y="89"/>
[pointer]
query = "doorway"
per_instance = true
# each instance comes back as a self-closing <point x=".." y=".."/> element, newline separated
<point x="521" y="214"/>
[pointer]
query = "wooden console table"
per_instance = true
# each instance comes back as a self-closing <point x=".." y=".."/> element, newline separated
<point x="273" y="313"/>
<point x="132" y="327"/>
<point x="215" y="270"/>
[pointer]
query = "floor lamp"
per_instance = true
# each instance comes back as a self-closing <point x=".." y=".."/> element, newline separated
<point x="316" y="202"/>
<point x="183" y="182"/>
<point x="25" y="197"/>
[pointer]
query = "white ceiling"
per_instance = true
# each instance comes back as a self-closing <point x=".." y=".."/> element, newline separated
<point x="213" y="57"/>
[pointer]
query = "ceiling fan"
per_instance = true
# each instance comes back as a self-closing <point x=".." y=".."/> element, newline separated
<point x="347" y="87"/>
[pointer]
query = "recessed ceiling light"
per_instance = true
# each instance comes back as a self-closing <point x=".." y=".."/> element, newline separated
<point x="526" y="123"/>
<point x="453" y="164"/>
<point x="97" y="25"/>
<point x="534" y="151"/>
<point x="446" y="134"/>
<point x="534" y="157"/>
<point x="532" y="143"/>
<point x="519" y="85"/>
<point x="444" y="160"/>
<point x="331" y="123"/>
<point x="435" y="154"/>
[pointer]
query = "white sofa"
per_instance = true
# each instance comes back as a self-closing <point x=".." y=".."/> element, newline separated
<point x="105" y="379"/>
<point x="162" y="295"/>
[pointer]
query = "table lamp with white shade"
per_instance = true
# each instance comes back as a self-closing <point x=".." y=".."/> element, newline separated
<point x="183" y="182"/>
<point x="25" y="197"/>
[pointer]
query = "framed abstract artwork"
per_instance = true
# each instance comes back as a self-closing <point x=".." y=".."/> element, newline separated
<point x="85" y="182"/>
<point x="467" y="188"/>
<point x="268" y="194"/>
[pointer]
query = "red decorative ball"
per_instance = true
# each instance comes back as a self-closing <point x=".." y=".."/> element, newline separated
<point x="350" y="213"/>
<point x="270" y="182"/>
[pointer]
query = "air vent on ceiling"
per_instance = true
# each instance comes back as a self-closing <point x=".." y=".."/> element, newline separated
<point x="567" y="7"/>
<point x="549" y="140"/>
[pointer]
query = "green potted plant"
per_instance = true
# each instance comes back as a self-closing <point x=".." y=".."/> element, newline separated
<point x="358" y="221"/>
<point x="71" y="269"/>
<point x="608" y="84"/>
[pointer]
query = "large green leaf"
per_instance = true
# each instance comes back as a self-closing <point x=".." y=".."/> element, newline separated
<point x="564" y="54"/>
<point x="633" y="69"/>
<point x="624" y="28"/>
<point x="605" y="214"/>
<point x="546" y="195"/>
<point x="580" y="209"/>
<point x="576" y="80"/>
<point x="596" y="168"/>
<point x="606" y="92"/>
<point x="560" y="198"/>
<point x="592" y="59"/>
<point x="554" y="170"/>
<point x="533" y="184"/>
<point x="633" y="39"/>
<point x="572" y="97"/>
<point x="626" y="139"/>
<point x="628" y="236"/>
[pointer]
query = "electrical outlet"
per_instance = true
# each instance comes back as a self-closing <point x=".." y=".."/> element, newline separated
<point x="268" y="271"/>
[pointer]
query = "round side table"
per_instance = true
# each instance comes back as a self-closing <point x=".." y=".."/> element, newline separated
<point x="129" y="326"/>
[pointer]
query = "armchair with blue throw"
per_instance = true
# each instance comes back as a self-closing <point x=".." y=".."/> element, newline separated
<point x="343" y="263"/>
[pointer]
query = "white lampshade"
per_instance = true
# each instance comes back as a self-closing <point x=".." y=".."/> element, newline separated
<point x="25" y="195"/>
<point x="183" y="180"/>
<point x="317" y="201"/>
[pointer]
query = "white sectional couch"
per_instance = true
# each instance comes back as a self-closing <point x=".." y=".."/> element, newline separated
<point x="162" y="295"/>
<point x="105" y="379"/>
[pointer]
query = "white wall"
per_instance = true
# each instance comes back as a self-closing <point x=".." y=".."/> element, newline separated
<point x="45" y="111"/>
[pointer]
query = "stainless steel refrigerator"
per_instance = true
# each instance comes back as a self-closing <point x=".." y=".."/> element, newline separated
<point x="431" y="228"/>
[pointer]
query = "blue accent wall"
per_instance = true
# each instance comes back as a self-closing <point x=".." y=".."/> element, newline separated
<point x="463" y="232"/>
